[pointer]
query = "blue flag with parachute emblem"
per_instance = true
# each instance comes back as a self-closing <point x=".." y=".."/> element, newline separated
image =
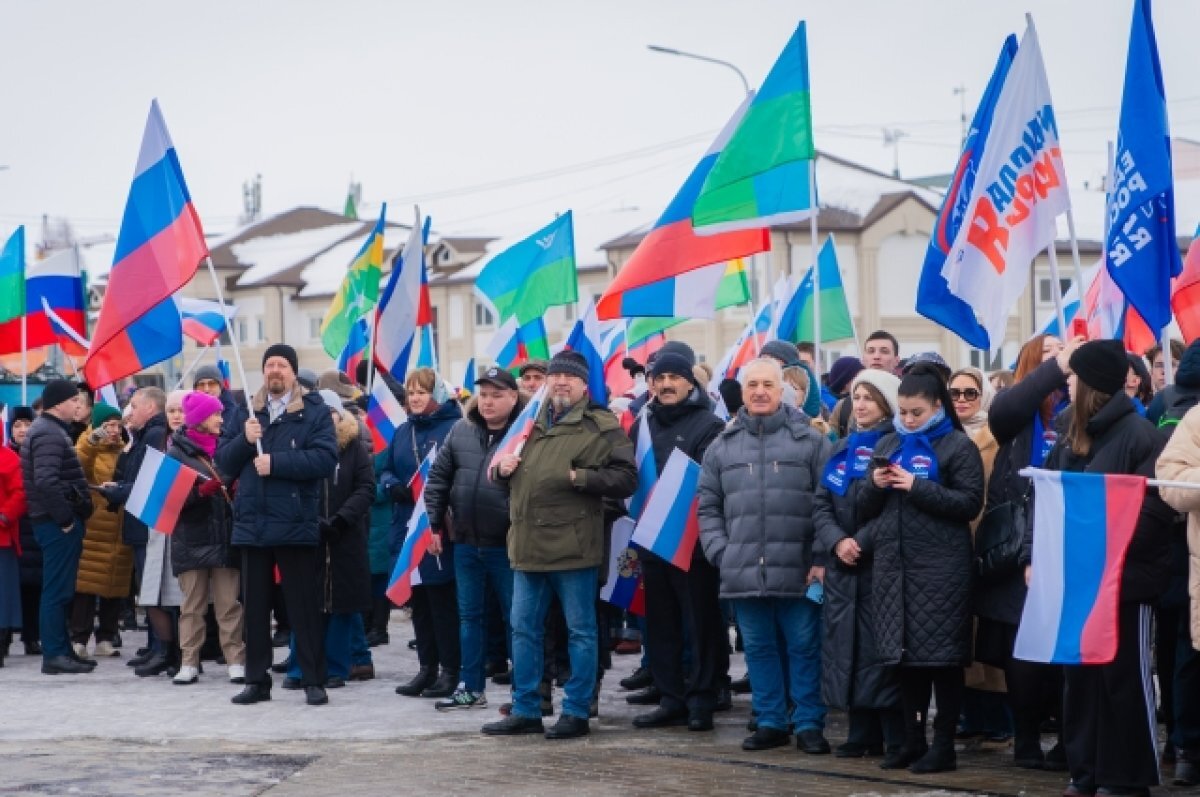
<point x="1141" y="250"/>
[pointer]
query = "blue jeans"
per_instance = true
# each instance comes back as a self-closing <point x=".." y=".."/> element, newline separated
<point x="60" y="566"/>
<point x="576" y="591"/>
<point x="360" y="652"/>
<point x="339" y="635"/>
<point x="794" y="623"/>
<point x="474" y="569"/>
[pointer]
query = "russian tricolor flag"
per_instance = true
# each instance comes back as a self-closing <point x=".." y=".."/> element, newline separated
<point x="625" y="586"/>
<point x="384" y="414"/>
<point x="520" y="430"/>
<point x="585" y="341"/>
<point x="159" y="248"/>
<point x="161" y="487"/>
<point x="647" y="469"/>
<point x="669" y="526"/>
<point x="666" y="274"/>
<point x="416" y="542"/>
<point x="417" y="482"/>
<point x="203" y="321"/>
<point x="404" y="305"/>
<point x="56" y="282"/>
<point x="1083" y="523"/>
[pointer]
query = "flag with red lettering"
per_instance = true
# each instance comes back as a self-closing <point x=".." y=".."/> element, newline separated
<point x="1018" y="193"/>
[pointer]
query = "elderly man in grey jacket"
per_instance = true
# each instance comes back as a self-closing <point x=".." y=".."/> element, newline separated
<point x="756" y="500"/>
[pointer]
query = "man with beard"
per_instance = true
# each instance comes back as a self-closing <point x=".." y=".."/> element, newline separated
<point x="680" y="416"/>
<point x="576" y="456"/>
<point x="280" y="456"/>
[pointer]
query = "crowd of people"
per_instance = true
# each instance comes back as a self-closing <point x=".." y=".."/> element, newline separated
<point x="864" y="537"/>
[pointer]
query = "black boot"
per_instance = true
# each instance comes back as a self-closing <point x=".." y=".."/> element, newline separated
<point x="155" y="665"/>
<point x="940" y="758"/>
<point x="443" y="686"/>
<point x="1027" y="745"/>
<point x="914" y="747"/>
<point x="422" y="681"/>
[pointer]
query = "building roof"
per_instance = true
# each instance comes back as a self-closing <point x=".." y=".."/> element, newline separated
<point x="305" y="247"/>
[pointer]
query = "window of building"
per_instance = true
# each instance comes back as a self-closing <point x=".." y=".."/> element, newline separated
<point x="260" y="328"/>
<point x="241" y="330"/>
<point x="1045" y="294"/>
<point x="569" y="312"/>
<point x="986" y="361"/>
<point x="314" y="327"/>
<point x="483" y="316"/>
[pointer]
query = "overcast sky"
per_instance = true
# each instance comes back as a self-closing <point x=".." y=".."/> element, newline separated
<point x="425" y="100"/>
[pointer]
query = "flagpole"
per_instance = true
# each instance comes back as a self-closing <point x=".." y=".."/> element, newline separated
<point x="1056" y="287"/>
<point x="195" y="361"/>
<point x="812" y="229"/>
<point x="25" y="358"/>
<point x="237" y="353"/>
<point x="1075" y="255"/>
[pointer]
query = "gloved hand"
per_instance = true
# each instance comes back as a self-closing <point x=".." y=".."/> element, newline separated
<point x="399" y="493"/>
<point x="209" y="488"/>
<point x="96" y="436"/>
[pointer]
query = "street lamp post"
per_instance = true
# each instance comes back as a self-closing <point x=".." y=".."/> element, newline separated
<point x="658" y="48"/>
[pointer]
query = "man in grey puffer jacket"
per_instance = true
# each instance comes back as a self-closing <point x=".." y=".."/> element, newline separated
<point x="756" y="499"/>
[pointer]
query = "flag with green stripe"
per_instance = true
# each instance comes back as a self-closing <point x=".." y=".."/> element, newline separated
<point x="12" y="276"/>
<point x="534" y="275"/>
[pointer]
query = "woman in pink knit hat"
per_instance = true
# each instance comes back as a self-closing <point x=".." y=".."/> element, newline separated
<point x="200" y="550"/>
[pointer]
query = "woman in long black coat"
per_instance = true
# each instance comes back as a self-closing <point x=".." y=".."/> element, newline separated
<point x="345" y="579"/>
<point x="918" y="512"/>
<point x="851" y="675"/>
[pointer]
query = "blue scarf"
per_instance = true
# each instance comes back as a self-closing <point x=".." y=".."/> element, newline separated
<point x="851" y="463"/>
<point x="916" y="454"/>
<point x="1043" y="439"/>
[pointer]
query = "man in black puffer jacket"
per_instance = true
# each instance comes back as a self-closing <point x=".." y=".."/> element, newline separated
<point x="275" y="517"/>
<point x="680" y="416"/>
<point x="476" y="506"/>
<point x="59" y="503"/>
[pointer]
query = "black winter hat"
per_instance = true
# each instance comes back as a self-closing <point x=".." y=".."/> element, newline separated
<point x="57" y="391"/>
<point x="678" y="347"/>
<point x="1101" y="365"/>
<point x="1188" y="373"/>
<point x="669" y="362"/>
<point x="844" y="369"/>
<point x="286" y="352"/>
<point x="783" y="351"/>
<point x="207" y="372"/>
<point x="568" y="362"/>
<point x="21" y="413"/>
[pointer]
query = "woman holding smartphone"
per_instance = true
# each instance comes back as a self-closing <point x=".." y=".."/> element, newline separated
<point x="918" y="512"/>
<point x="851" y="676"/>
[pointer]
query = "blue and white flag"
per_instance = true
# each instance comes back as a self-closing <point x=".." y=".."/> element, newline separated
<point x="934" y="299"/>
<point x="1143" y="254"/>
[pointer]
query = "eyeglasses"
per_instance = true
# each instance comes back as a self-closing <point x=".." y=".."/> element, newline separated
<point x="969" y="394"/>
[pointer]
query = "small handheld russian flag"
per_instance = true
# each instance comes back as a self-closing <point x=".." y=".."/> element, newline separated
<point x="625" y="586"/>
<point x="1082" y="526"/>
<point x="416" y="542"/>
<point x="669" y="526"/>
<point x="161" y="487"/>
<point x="647" y="469"/>
<point x="417" y="482"/>
<point x="518" y="433"/>
<point x="384" y="414"/>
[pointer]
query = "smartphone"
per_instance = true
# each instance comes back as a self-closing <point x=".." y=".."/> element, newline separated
<point x="815" y="592"/>
<point x="878" y="462"/>
<point x="1079" y="328"/>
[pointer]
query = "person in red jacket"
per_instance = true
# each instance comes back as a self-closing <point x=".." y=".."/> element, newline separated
<point x="12" y="507"/>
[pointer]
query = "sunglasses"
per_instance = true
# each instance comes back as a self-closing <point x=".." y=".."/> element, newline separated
<point x="969" y="394"/>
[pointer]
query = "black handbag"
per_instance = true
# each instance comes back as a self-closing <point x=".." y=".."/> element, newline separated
<point x="999" y="537"/>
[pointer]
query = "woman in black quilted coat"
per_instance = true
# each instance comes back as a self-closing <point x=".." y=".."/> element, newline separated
<point x="917" y="512"/>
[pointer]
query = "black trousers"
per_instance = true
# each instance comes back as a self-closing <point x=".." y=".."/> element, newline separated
<point x="31" y="599"/>
<point x="84" y="608"/>
<point x="684" y="606"/>
<point x="1186" y="709"/>
<point x="435" y="623"/>
<point x="302" y="594"/>
<point x="918" y="684"/>
<point x="1109" y="729"/>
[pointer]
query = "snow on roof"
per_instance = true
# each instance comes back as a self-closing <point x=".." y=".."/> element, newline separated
<point x="324" y="274"/>
<point x="271" y="254"/>
<point x="857" y="189"/>
<point x="1089" y="210"/>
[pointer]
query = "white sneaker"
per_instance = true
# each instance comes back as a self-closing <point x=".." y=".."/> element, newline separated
<point x="187" y="675"/>
<point x="237" y="674"/>
<point x="81" y="651"/>
<point x="106" y="650"/>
